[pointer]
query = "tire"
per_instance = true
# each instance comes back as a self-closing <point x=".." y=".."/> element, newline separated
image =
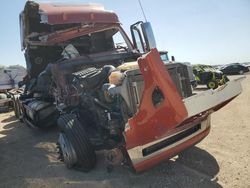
<point x="194" y="84"/>
<point x="212" y="84"/>
<point x="75" y="149"/>
<point x="226" y="78"/>
<point x="15" y="108"/>
<point x="241" y="72"/>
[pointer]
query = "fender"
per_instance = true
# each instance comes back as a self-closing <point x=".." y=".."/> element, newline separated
<point x="154" y="122"/>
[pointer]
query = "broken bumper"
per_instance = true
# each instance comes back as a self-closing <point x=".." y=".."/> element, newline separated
<point x="148" y="155"/>
<point x="156" y="133"/>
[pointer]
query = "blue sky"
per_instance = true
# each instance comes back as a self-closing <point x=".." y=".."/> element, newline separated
<point x="196" y="31"/>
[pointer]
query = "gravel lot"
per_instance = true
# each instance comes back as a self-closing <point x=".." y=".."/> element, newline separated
<point x="28" y="157"/>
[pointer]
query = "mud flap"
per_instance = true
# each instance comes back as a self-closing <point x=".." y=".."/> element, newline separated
<point x="161" y="107"/>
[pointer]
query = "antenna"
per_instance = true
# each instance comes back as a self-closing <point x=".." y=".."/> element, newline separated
<point x="142" y="10"/>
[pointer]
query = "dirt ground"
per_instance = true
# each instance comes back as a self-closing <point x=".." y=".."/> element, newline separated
<point x="28" y="157"/>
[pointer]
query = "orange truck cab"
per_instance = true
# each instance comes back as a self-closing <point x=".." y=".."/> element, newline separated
<point x="106" y="92"/>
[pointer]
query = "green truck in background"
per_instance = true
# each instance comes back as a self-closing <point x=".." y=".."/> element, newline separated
<point x="209" y="76"/>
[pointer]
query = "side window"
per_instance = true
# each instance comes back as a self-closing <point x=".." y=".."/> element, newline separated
<point x="107" y="40"/>
<point x="164" y="57"/>
<point x="119" y="42"/>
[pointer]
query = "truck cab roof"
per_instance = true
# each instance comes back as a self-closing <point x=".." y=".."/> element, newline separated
<point x="41" y="18"/>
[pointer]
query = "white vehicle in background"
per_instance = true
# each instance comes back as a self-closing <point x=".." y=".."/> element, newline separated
<point x="165" y="59"/>
<point x="9" y="78"/>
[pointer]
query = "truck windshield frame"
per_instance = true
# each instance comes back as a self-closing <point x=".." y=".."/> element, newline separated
<point x="54" y="38"/>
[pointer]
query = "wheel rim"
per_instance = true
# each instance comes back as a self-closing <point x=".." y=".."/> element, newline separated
<point x="211" y="85"/>
<point x="241" y="72"/>
<point x="66" y="151"/>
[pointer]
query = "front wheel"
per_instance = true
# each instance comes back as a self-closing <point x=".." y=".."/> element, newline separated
<point x="241" y="72"/>
<point x="212" y="84"/>
<point x="75" y="149"/>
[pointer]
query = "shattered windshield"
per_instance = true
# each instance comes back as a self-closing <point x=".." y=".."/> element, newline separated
<point x="108" y="40"/>
<point x="92" y="42"/>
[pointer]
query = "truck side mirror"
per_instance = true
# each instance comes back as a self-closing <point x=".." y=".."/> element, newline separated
<point x="143" y="36"/>
<point x="172" y="58"/>
<point x="148" y="35"/>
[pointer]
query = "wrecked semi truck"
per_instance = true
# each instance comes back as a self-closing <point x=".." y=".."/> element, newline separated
<point x="106" y="92"/>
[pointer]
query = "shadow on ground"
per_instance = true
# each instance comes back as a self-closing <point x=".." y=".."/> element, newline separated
<point x="28" y="158"/>
<point x="9" y="119"/>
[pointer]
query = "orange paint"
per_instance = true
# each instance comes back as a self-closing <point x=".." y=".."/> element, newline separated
<point x="171" y="152"/>
<point x="151" y="123"/>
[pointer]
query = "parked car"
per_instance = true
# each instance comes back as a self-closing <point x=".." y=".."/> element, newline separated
<point x="246" y="64"/>
<point x="234" y="69"/>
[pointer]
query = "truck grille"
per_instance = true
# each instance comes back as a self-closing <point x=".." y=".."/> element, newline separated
<point x="177" y="71"/>
<point x="169" y="141"/>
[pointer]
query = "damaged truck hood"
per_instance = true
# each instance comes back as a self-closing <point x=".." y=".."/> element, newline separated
<point x="42" y="20"/>
<point x="65" y="14"/>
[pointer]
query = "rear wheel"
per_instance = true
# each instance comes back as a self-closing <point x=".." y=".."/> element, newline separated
<point x="212" y="84"/>
<point x="225" y="79"/>
<point x="75" y="150"/>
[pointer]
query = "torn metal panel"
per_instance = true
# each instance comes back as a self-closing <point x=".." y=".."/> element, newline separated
<point x="67" y="34"/>
<point x="82" y="13"/>
<point x="45" y="18"/>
